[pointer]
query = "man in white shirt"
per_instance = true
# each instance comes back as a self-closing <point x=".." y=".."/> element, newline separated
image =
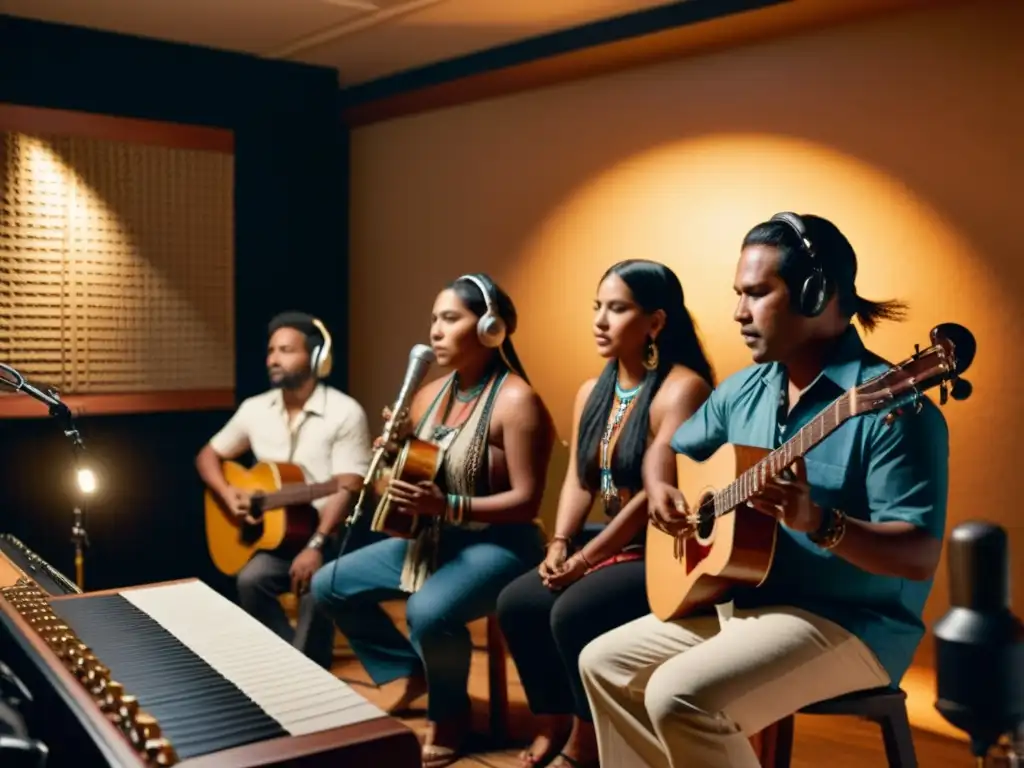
<point x="303" y="421"/>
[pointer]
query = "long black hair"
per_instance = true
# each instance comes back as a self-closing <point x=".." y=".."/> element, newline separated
<point x="470" y="295"/>
<point x="654" y="286"/>
<point x="838" y="263"/>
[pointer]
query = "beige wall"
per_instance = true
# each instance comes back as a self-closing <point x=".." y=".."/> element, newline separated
<point x="907" y="132"/>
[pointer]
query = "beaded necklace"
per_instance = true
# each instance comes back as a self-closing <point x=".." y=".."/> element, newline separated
<point x="620" y="406"/>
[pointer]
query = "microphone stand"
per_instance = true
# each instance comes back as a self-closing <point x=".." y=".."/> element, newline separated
<point x="60" y="411"/>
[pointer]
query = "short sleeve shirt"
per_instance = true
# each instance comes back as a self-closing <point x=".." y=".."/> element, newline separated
<point x="870" y="470"/>
<point x="329" y="437"/>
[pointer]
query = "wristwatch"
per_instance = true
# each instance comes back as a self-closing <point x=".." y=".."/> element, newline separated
<point x="831" y="530"/>
<point x="316" y="541"/>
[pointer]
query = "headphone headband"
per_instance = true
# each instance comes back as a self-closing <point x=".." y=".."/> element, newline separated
<point x="490" y="328"/>
<point x="321" y="359"/>
<point x="816" y="290"/>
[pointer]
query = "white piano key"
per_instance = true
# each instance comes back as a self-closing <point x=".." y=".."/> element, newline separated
<point x="287" y="685"/>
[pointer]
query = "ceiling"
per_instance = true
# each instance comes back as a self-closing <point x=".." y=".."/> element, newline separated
<point x="362" y="39"/>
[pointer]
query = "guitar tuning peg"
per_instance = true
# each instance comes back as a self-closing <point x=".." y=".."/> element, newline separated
<point x="961" y="390"/>
<point x="943" y="393"/>
<point x="917" y="350"/>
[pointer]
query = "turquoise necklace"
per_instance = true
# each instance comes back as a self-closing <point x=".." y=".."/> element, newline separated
<point x="623" y="399"/>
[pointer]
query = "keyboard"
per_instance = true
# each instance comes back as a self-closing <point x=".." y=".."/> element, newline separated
<point x="176" y="674"/>
<point x="18" y="560"/>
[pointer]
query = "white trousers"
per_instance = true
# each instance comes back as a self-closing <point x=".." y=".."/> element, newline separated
<point x="690" y="693"/>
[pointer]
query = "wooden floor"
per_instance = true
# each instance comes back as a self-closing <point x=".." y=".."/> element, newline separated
<point x="835" y="742"/>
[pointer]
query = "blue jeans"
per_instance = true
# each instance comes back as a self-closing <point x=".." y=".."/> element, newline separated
<point x="473" y="568"/>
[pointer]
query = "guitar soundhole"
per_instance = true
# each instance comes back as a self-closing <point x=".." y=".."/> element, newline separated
<point x="706" y="525"/>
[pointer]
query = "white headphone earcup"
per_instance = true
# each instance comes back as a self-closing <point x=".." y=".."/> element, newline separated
<point x="491" y="330"/>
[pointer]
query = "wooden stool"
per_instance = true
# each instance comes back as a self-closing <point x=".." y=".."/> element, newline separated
<point x="885" y="706"/>
<point x="497" y="680"/>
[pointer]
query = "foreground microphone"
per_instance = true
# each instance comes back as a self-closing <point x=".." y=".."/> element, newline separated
<point x="421" y="357"/>
<point x="50" y="399"/>
<point x="979" y="643"/>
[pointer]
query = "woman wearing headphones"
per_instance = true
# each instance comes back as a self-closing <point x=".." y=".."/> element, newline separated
<point x="497" y="438"/>
<point x="656" y="377"/>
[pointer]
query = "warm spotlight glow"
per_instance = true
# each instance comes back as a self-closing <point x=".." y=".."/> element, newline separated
<point x="689" y="204"/>
<point x="86" y="480"/>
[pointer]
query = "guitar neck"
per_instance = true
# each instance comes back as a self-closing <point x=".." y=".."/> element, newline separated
<point x="754" y="480"/>
<point x="298" y="493"/>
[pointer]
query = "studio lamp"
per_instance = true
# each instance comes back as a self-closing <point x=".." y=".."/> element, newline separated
<point x="85" y="482"/>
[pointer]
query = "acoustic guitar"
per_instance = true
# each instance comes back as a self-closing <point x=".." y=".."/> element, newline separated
<point x="416" y="461"/>
<point x="281" y="505"/>
<point x="731" y="544"/>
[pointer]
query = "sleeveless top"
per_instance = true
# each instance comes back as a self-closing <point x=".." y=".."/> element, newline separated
<point x="615" y="499"/>
<point x="465" y="469"/>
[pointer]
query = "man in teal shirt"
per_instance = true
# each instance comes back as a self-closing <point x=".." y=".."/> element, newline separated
<point x="859" y="542"/>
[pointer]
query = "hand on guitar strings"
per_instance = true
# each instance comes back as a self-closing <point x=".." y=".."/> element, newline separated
<point x="423" y="498"/>
<point x="668" y="510"/>
<point x="239" y="503"/>
<point x="789" y="501"/>
<point x="305" y="564"/>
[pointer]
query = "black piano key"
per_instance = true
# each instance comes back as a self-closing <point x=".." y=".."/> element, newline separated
<point x="199" y="710"/>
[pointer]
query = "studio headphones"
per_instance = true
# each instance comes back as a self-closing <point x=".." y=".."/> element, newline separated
<point x="490" y="328"/>
<point x="321" y="359"/>
<point x="817" y="288"/>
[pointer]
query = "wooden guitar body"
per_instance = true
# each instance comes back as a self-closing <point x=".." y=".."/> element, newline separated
<point x="685" y="574"/>
<point x="417" y="461"/>
<point x="283" y="530"/>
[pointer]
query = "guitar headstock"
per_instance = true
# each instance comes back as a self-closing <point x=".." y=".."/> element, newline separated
<point x="951" y="354"/>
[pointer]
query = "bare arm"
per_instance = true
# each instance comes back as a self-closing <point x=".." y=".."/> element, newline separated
<point x="230" y="443"/>
<point x="528" y="438"/>
<point x="890" y="549"/>
<point x="680" y="395"/>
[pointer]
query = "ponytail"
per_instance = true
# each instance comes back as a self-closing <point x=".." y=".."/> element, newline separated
<point x="870" y="313"/>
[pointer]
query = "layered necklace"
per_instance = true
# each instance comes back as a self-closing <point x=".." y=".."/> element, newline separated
<point x="620" y="406"/>
<point x="466" y="398"/>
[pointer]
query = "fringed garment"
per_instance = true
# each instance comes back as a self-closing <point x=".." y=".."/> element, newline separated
<point x="465" y="469"/>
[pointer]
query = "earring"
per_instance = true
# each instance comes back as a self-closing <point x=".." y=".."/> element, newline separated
<point x="651" y="356"/>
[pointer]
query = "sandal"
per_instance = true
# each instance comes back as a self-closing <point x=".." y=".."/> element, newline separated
<point x="436" y="756"/>
<point x="528" y="760"/>
<point x="572" y="762"/>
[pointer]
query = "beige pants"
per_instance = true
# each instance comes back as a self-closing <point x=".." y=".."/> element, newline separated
<point x="690" y="693"/>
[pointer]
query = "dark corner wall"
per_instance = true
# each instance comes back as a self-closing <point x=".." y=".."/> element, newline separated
<point x="291" y="155"/>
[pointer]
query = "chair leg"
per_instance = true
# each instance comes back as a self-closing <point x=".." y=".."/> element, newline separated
<point x="497" y="675"/>
<point x="898" y="738"/>
<point x="778" y="752"/>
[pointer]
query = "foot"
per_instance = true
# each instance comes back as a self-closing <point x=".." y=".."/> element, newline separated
<point x="580" y="749"/>
<point x="406" y="692"/>
<point x="443" y="743"/>
<point x="546" y="744"/>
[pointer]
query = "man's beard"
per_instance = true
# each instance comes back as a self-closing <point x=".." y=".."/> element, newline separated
<point x="289" y="381"/>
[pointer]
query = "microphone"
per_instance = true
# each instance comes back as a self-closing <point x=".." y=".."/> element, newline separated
<point x="421" y="357"/>
<point x="50" y="398"/>
<point x="979" y="643"/>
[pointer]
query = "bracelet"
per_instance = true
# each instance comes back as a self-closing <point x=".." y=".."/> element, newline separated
<point x="557" y="537"/>
<point x="583" y="559"/>
<point x="831" y="531"/>
<point x="457" y="509"/>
